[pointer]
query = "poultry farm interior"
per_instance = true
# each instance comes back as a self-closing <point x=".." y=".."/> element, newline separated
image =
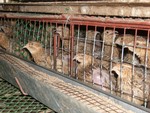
<point x="108" y="53"/>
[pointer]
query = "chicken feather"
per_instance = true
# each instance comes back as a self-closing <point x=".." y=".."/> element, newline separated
<point x="141" y="51"/>
<point x="44" y="59"/>
<point x="108" y="37"/>
<point x="129" y="83"/>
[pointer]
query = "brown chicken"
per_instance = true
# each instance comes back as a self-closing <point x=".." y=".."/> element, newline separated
<point x="121" y="39"/>
<point x="83" y="60"/>
<point x="64" y="32"/>
<point x="89" y="60"/>
<point x="125" y="40"/>
<point x="42" y="58"/>
<point x="108" y="36"/>
<point x="7" y="28"/>
<point x="129" y="85"/>
<point x="91" y="46"/>
<point x="128" y="58"/>
<point x="93" y="73"/>
<point x="38" y="53"/>
<point x="97" y="48"/>
<point x="91" y="34"/>
<point x="9" y="45"/>
<point x="141" y="51"/>
<point x="4" y="41"/>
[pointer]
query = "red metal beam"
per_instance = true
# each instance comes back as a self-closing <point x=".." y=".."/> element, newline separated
<point x="85" y="20"/>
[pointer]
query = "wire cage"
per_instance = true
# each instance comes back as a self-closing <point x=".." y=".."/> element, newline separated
<point x="111" y="54"/>
<point x="12" y="101"/>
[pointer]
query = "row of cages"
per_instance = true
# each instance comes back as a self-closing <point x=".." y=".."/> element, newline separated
<point x="110" y="57"/>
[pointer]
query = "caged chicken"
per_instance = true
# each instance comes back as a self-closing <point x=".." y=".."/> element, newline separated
<point x="7" y="28"/>
<point x="8" y="44"/>
<point x="93" y="73"/>
<point x="85" y="64"/>
<point x="108" y="37"/>
<point x="44" y="59"/>
<point x="140" y="51"/>
<point x="83" y="60"/>
<point x="38" y="53"/>
<point x="128" y="58"/>
<point x="91" y="44"/>
<point x="5" y="42"/>
<point x="130" y="83"/>
<point x="123" y="41"/>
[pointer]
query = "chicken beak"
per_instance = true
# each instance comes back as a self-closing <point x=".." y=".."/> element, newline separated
<point x="116" y="32"/>
<point x="57" y="32"/>
<point x="75" y="60"/>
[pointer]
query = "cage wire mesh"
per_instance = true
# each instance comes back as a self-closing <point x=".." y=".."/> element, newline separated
<point x="113" y="58"/>
<point x="12" y="101"/>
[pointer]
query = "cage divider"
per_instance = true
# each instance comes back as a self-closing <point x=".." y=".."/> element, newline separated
<point x="72" y="49"/>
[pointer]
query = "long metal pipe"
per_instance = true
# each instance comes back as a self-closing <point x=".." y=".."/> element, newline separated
<point x="85" y="20"/>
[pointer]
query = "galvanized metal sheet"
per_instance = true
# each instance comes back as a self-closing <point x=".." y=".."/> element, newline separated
<point x="54" y="92"/>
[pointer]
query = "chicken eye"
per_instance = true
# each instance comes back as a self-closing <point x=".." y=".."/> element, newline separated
<point x="137" y="43"/>
<point x="107" y="32"/>
<point x="78" y="62"/>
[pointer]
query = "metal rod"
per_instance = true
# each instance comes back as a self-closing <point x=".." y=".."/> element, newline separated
<point x="55" y="50"/>
<point x="84" y="52"/>
<point x="122" y="55"/>
<point x="102" y="51"/>
<point x="93" y="48"/>
<point x="112" y="58"/>
<point x="21" y="89"/>
<point x="51" y="37"/>
<point x="133" y="70"/>
<point x="145" y="71"/>
<point x="72" y="48"/>
<point x="119" y="23"/>
<point x="77" y="41"/>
